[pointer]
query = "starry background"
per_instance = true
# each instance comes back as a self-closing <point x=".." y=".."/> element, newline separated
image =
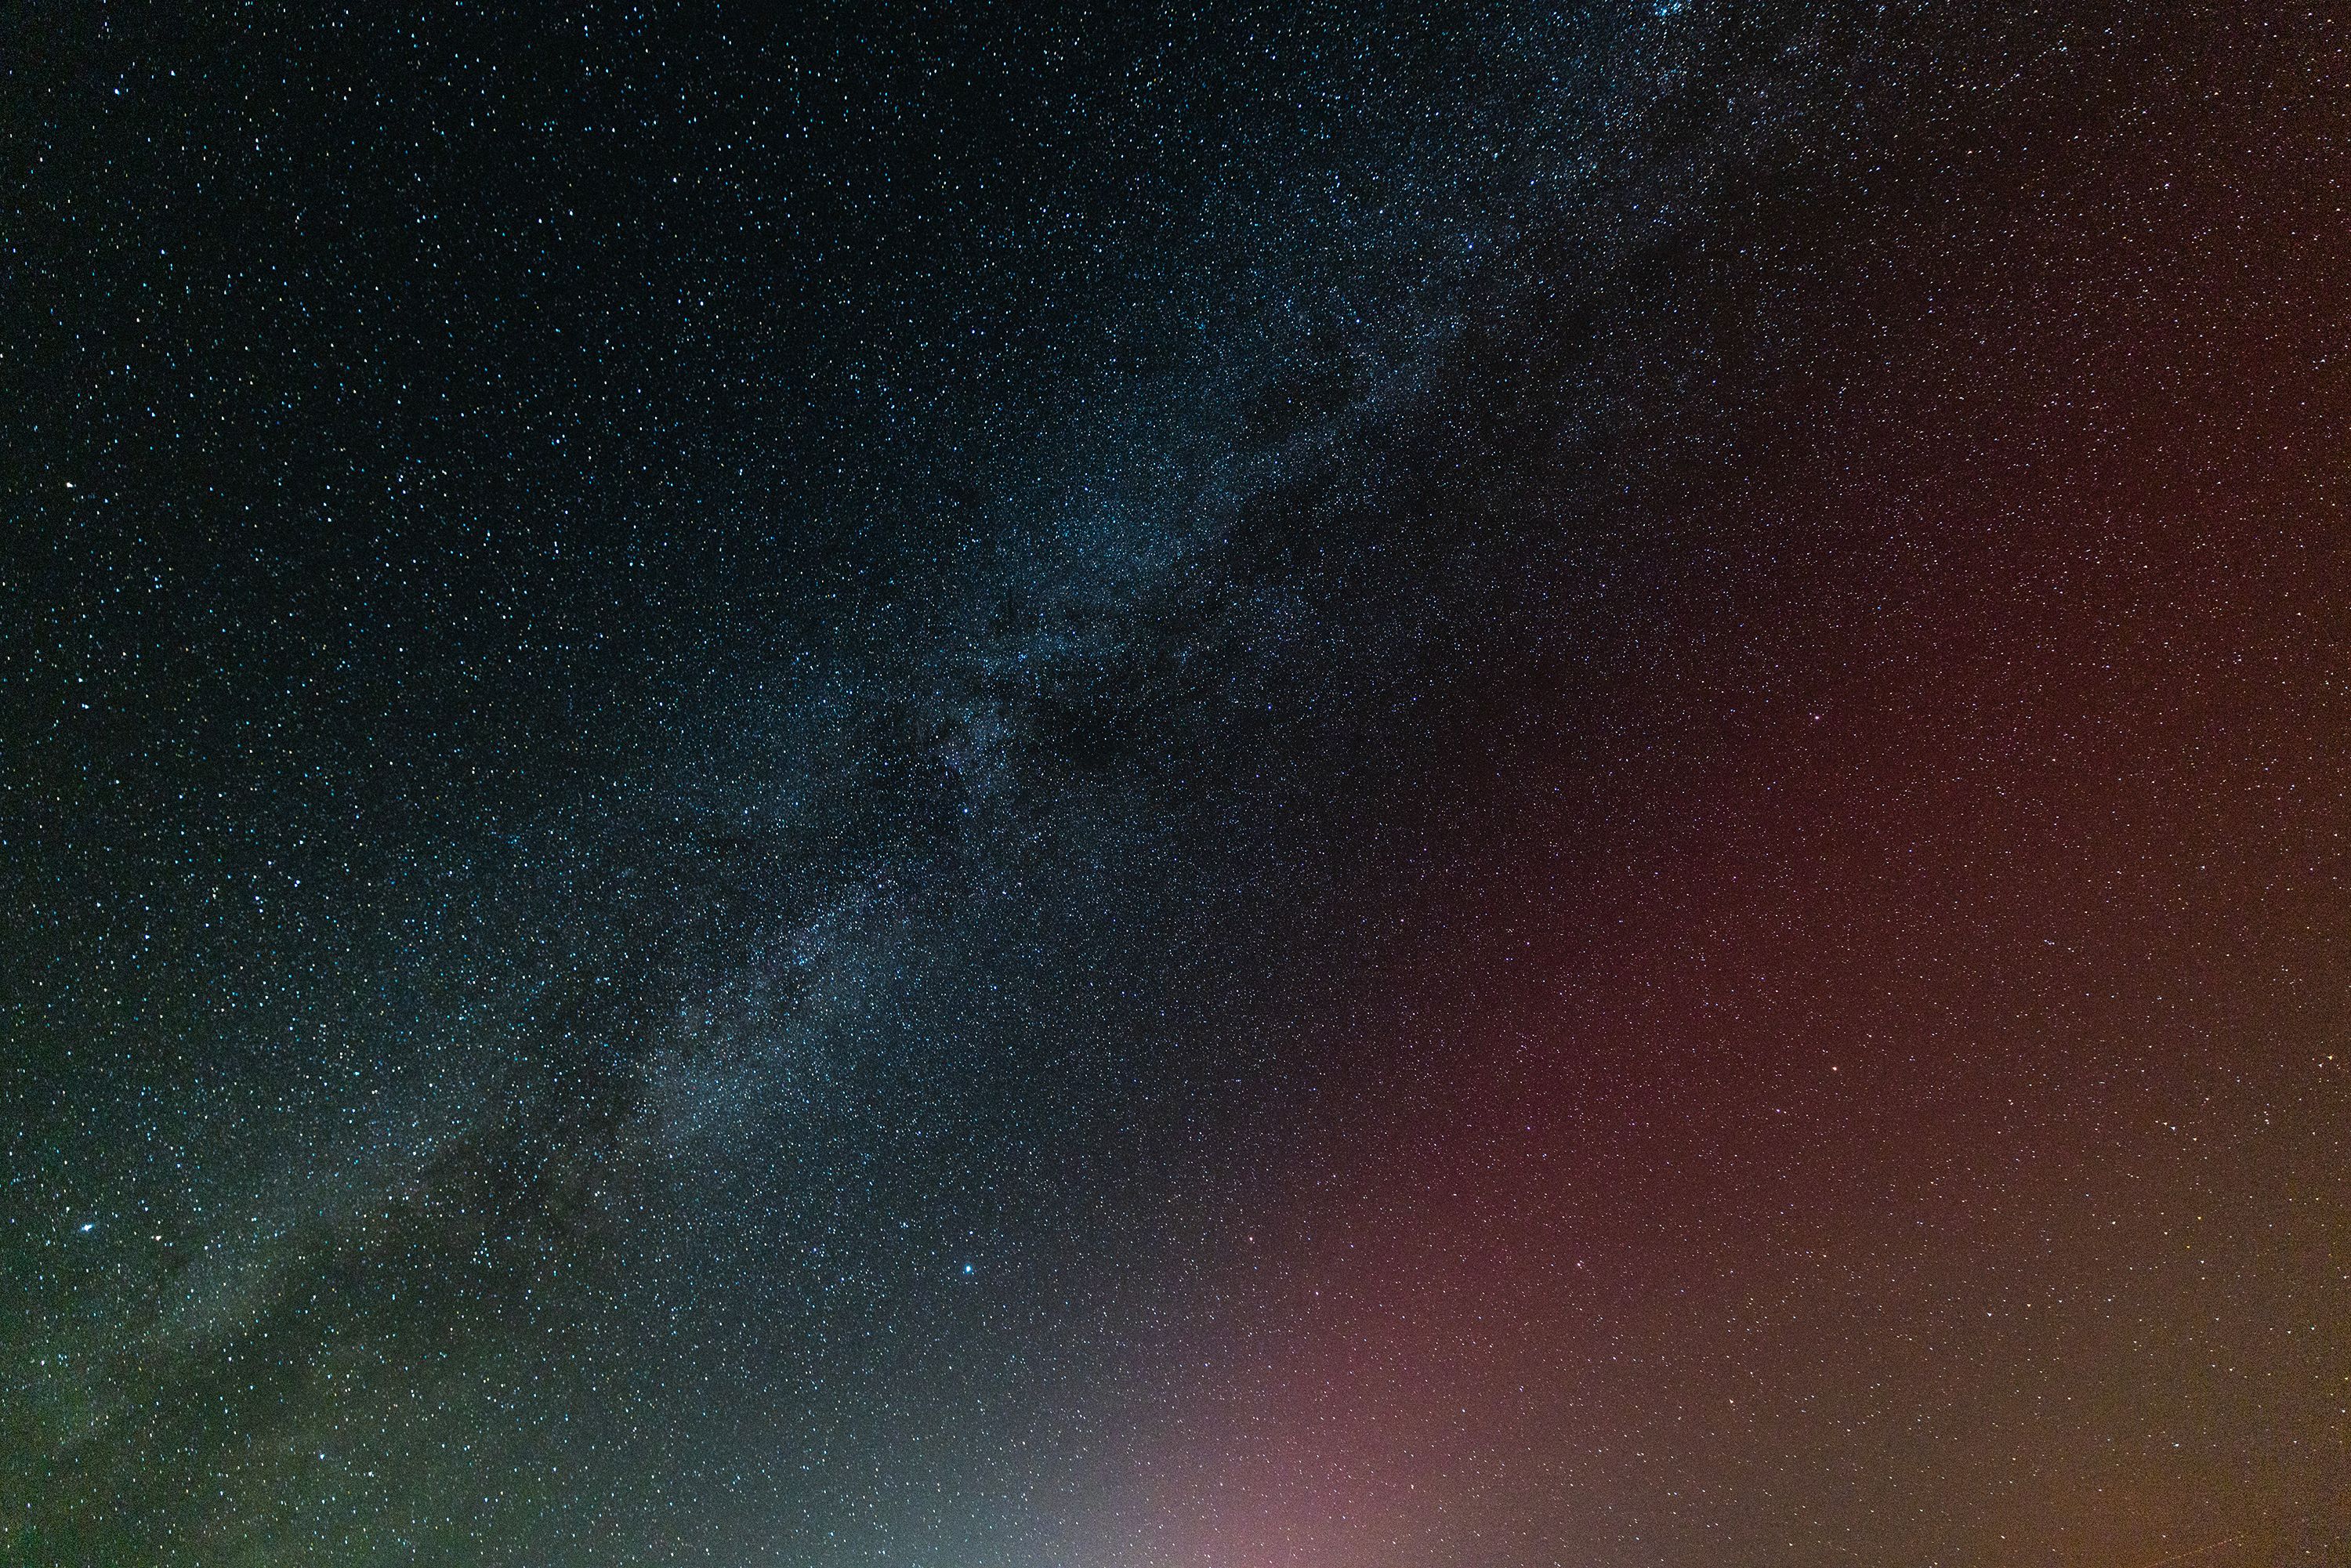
<point x="1272" y="787"/>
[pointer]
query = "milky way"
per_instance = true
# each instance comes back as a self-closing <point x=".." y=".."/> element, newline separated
<point x="1331" y="786"/>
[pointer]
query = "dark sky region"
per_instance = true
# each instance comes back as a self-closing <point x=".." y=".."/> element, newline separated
<point x="1295" y="787"/>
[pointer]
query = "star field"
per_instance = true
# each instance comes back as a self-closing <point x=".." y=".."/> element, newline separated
<point x="1348" y="787"/>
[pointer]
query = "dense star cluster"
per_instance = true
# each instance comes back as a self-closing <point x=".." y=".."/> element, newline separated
<point x="1299" y="786"/>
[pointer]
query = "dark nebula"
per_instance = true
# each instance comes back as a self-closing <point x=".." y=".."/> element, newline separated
<point x="1282" y="787"/>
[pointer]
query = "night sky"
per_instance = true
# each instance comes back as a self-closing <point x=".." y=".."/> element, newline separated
<point x="1303" y="786"/>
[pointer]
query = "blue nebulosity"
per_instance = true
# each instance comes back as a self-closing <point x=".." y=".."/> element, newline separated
<point x="713" y="719"/>
<point x="713" y="714"/>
